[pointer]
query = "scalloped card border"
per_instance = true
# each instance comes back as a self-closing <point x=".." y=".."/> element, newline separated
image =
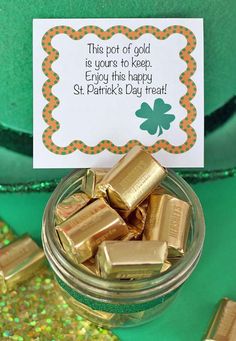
<point x="53" y="78"/>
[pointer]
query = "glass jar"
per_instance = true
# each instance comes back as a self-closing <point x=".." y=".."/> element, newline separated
<point x="120" y="303"/>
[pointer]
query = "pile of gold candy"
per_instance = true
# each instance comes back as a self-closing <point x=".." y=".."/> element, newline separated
<point x="123" y="224"/>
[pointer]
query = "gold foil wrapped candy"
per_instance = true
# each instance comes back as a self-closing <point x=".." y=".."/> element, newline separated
<point x="125" y="220"/>
<point x="132" y="234"/>
<point x="70" y="206"/>
<point x="131" y="259"/>
<point x="81" y="234"/>
<point x="161" y="190"/>
<point x="131" y="180"/>
<point x="137" y="218"/>
<point x="91" y="179"/>
<point x="168" y="219"/>
<point x="223" y="325"/>
<point x="86" y="311"/>
<point x="166" y="266"/>
<point x="19" y="260"/>
<point x="90" y="265"/>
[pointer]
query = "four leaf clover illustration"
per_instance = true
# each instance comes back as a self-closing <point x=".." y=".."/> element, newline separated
<point x="156" y="118"/>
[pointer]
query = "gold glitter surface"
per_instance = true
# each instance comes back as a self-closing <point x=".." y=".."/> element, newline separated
<point x="6" y="234"/>
<point x="35" y="310"/>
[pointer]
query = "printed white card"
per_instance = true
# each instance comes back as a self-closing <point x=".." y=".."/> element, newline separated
<point x="102" y="86"/>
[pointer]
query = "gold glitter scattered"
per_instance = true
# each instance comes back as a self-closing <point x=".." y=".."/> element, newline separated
<point x="35" y="310"/>
<point x="6" y="234"/>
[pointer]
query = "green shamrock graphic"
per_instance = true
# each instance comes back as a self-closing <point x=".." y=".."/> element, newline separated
<point x="156" y="119"/>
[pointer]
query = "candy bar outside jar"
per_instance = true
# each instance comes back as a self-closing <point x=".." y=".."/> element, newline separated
<point x="223" y="324"/>
<point x="18" y="261"/>
<point x="127" y="303"/>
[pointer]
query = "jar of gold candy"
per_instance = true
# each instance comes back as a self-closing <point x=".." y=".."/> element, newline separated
<point x="121" y="242"/>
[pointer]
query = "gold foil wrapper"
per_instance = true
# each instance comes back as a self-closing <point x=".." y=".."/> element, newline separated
<point x="19" y="260"/>
<point x="90" y="266"/>
<point x="83" y="309"/>
<point x="131" y="180"/>
<point x="70" y="206"/>
<point x="173" y="260"/>
<point x="131" y="259"/>
<point x="81" y="234"/>
<point x="135" y="316"/>
<point x="133" y="234"/>
<point x="162" y="190"/>
<point x="88" y="312"/>
<point x="166" y="266"/>
<point x="168" y="219"/>
<point x="92" y="178"/>
<point x="138" y="217"/>
<point x="223" y="325"/>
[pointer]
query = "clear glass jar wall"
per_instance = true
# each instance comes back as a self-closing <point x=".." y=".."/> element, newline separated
<point x="117" y="303"/>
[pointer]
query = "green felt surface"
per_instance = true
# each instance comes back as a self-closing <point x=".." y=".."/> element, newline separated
<point x="215" y="277"/>
<point x="16" y="44"/>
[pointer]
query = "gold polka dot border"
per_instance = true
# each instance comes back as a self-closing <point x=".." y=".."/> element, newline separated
<point x="53" y="78"/>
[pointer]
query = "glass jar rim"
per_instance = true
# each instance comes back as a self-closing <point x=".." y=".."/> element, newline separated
<point x="164" y="283"/>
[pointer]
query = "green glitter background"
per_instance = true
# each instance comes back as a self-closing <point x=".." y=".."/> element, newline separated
<point x="35" y="310"/>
